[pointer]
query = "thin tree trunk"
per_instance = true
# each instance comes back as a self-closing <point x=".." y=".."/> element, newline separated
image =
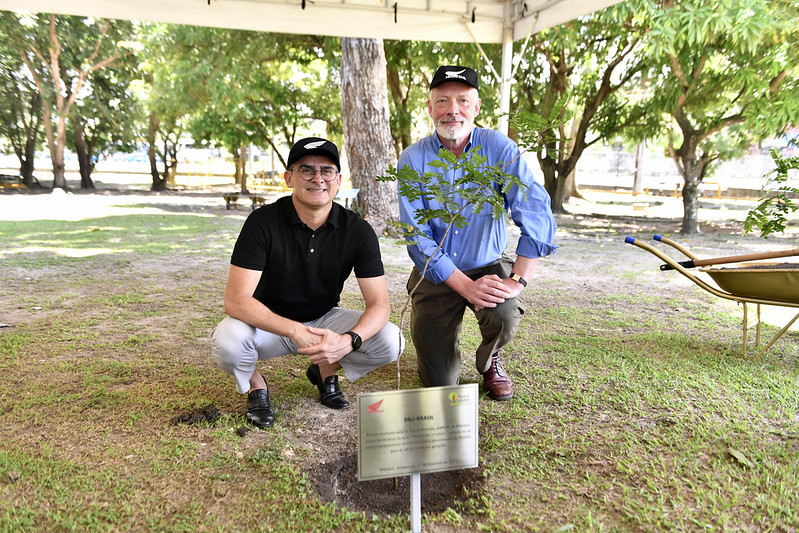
<point x="242" y="168"/>
<point x="27" y="150"/>
<point x="367" y="136"/>
<point x="638" y="180"/>
<point x="237" y="168"/>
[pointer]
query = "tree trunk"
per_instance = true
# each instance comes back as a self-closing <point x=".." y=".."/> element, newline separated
<point x="638" y="180"/>
<point x="26" y="166"/>
<point x="159" y="183"/>
<point x="170" y="162"/>
<point x="57" y="155"/>
<point x="553" y="184"/>
<point x="367" y="136"/>
<point x="690" y="198"/>
<point x="84" y="156"/>
<point x="242" y="167"/>
<point x="237" y="165"/>
<point x="58" y="179"/>
<point x="26" y="151"/>
<point x="690" y="169"/>
<point x="401" y="135"/>
<point x="571" y="187"/>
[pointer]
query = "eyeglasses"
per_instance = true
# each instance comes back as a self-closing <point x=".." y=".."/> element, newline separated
<point x="307" y="172"/>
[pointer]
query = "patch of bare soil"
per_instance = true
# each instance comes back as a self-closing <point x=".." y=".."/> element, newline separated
<point x="334" y="472"/>
<point x="337" y="481"/>
<point x="208" y="414"/>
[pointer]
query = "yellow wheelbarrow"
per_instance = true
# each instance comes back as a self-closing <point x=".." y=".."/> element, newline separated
<point x="748" y="283"/>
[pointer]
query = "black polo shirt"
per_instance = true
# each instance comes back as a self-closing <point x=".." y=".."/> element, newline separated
<point x="303" y="271"/>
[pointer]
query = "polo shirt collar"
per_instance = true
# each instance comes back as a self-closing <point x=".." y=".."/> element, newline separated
<point x="333" y="218"/>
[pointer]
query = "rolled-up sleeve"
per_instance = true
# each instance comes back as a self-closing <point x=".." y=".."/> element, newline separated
<point x="530" y="209"/>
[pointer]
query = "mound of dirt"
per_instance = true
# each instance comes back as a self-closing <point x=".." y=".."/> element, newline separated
<point x="337" y="481"/>
<point x="209" y="414"/>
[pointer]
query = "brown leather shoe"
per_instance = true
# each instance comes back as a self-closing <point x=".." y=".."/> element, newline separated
<point x="496" y="383"/>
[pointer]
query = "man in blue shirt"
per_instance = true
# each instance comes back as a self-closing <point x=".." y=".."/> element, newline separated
<point x="470" y="269"/>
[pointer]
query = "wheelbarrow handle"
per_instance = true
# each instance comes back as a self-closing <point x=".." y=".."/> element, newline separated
<point x="733" y="259"/>
<point x="685" y="264"/>
<point x="687" y="253"/>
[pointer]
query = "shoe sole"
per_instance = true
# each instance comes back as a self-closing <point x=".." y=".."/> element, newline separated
<point x="498" y="398"/>
<point x="251" y="420"/>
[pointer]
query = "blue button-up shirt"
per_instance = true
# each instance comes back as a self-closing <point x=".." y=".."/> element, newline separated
<point x="485" y="238"/>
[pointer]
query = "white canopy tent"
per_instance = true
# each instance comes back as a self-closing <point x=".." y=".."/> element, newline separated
<point x="479" y="21"/>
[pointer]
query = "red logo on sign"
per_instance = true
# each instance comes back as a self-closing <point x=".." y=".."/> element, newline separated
<point x="375" y="407"/>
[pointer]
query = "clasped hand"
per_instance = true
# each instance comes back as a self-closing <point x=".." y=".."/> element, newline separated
<point x="490" y="291"/>
<point x="323" y="346"/>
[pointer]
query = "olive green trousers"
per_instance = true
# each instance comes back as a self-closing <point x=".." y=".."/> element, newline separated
<point x="436" y="319"/>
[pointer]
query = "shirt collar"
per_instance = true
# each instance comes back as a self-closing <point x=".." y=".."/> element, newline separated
<point x="333" y="218"/>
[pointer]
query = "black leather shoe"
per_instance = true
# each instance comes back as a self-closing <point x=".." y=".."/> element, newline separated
<point x="259" y="408"/>
<point x="329" y="392"/>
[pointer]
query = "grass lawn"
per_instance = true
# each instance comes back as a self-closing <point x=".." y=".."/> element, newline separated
<point x="635" y="409"/>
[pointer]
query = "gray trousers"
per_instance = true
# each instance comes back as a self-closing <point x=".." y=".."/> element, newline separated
<point x="436" y="318"/>
<point x="237" y="346"/>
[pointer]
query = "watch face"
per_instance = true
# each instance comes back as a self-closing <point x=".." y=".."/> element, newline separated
<point x="356" y="340"/>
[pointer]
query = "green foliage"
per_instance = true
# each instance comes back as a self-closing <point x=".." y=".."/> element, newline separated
<point x="110" y="115"/>
<point x="718" y="64"/>
<point x="20" y="103"/>
<point x="538" y="132"/>
<point x="475" y="184"/>
<point x="770" y="216"/>
<point x="410" y="66"/>
<point x="241" y="87"/>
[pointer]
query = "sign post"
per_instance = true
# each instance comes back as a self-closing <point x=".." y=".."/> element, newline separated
<point x="411" y="432"/>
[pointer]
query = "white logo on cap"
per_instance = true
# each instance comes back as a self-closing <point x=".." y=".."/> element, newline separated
<point x="454" y="74"/>
<point x="315" y="144"/>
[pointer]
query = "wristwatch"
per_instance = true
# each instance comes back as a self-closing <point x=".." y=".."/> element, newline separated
<point x="516" y="277"/>
<point x="356" y="339"/>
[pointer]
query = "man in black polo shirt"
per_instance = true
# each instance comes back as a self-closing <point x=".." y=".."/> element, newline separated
<point x="288" y="269"/>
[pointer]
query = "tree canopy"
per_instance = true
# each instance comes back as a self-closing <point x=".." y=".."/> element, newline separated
<point x="706" y="79"/>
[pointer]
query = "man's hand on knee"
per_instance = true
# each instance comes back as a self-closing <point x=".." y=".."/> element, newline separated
<point x="305" y="336"/>
<point x="487" y="291"/>
<point x="332" y="347"/>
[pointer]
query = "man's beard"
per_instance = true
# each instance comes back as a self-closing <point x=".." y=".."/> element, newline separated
<point x="453" y="131"/>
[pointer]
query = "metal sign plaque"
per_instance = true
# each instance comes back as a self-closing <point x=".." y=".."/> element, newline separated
<point x="417" y="431"/>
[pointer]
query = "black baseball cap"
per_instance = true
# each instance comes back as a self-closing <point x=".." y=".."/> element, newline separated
<point x="313" y="146"/>
<point x="463" y="75"/>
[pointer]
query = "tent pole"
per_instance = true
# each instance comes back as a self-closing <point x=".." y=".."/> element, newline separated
<point x="482" y="52"/>
<point x="507" y="66"/>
